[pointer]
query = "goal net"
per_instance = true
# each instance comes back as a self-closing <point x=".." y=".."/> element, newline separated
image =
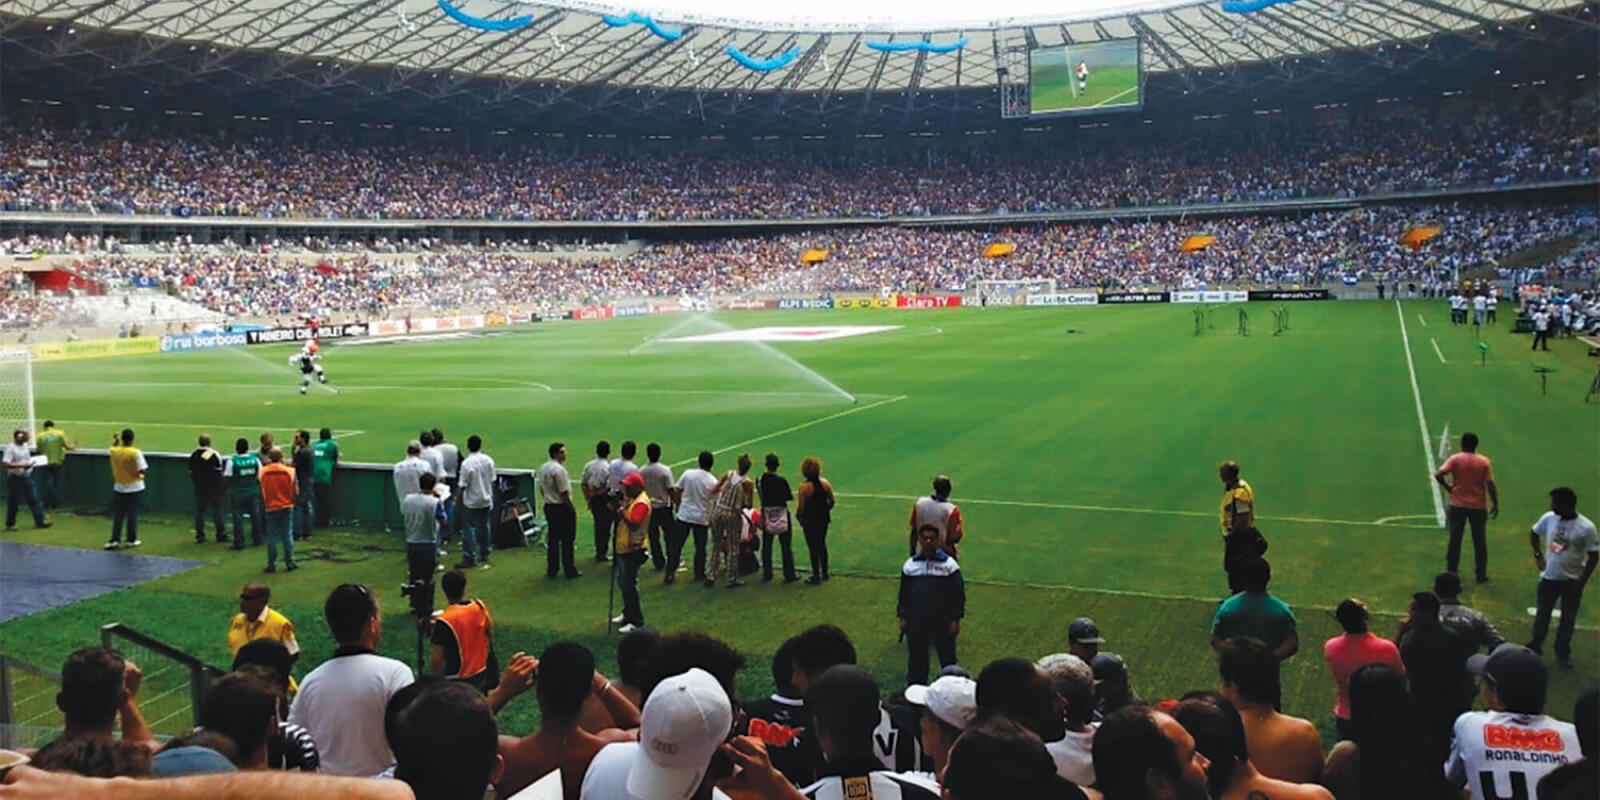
<point x="1014" y="292"/>
<point x="16" y="391"/>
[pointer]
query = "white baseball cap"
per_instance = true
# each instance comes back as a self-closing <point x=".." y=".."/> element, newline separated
<point x="951" y="698"/>
<point x="685" y="719"/>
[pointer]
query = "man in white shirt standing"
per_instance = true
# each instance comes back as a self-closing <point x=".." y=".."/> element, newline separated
<point x="408" y="472"/>
<point x="658" y="484"/>
<point x="596" y="493"/>
<point x="693" y="494"/>
<point x="341" y="703"/>
<point x="1504" y="751"/>
<point x="1541" y="329"/>
<point x="449" y="465"/>
<point x="19" y="481"/>
<point x="1480" y="304"/>
<point x="1566" y="550"/>
<point x="477" y="498"/>
<point x="555" y="489"/>
<point x="619" y="469"/>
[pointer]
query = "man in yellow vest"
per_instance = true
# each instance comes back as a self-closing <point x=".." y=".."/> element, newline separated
<point x="128" y="468"/>
<point x="256" y="620"/>
<point x="632" y="520"/>
<point x="1237" y="516"/>
<point x="462" y="636"/>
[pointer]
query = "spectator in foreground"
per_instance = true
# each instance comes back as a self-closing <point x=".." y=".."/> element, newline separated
<point x="783" y="723"/>
<point x="633" y="651"/>
<point x="933" y="599"/>
<point x="341" y="703"/>
<point x="949" y="705"/>
<point x="1464" y="621"/>
<point x="1579" y="780"/>
<point x="128" y="469"/>
<point x="1084" y="639"/>
<point x="94" y="757"/>
<point x="1387" y="757"/>
<point x="1283" y="747"/>
<point x="844" y="706"/>
<point x="1016" y="689"/>
<point x="1219" y="735"/>
<point x="1255" y="614"/>
<point x="463" y="636"/>
<point x="29" y="782"/>
<point x="1349" y="651"/>
<point x="243" y="706"/>
<point x="1144" y="754"/>
<point x="444" y="740"/>
<point x="1495" y="743"/>
<point x="99" y="688"/>
<point x="682" y="727"/>
<point x="1566" y="551"/>
<point x="290" y="746"/>
<point x="565" y="678"/>
<point x="999" y="758"/>
<point x="1074" y="683"/>
<point x="1113" y="689"/>
<point x="1436" y="668"/>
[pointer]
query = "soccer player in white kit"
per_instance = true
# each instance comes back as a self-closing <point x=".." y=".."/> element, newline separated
<point x="1083" y="77"/>
<point x="309" y="363"/>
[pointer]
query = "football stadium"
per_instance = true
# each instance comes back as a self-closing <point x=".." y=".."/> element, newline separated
<point x="474" y="398"/>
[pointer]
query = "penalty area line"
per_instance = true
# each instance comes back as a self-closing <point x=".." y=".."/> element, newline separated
<point x="1385" y="522"/>
<point x="802" y="426"/>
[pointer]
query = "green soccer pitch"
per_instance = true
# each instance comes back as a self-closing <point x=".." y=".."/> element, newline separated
<point x="1083" y="445"/>
<point x="1053" y="88"/>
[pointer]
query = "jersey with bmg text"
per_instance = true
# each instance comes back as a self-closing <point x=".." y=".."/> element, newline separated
<point x="1501" y="755"/>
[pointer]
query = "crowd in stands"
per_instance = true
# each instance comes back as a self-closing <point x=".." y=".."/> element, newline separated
<point x="45" y="169"/>
<point x="1317" y="248"/>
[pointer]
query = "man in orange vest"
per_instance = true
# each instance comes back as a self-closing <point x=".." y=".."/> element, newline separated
<point x="462" y="636"/>
<point x="632" y="519"/>
<point x="277" y="494"/>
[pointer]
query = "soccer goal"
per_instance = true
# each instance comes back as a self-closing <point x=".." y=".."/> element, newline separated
<point x="16" y="391"/>
<point x="1013" y="293"/>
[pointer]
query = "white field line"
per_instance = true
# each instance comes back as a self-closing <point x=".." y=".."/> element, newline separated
<point x="1586" y="340"/>
<point x="1385" y="522"/>
<point x="802" y="426"/>
<point x="1115" y="96"/>
<point x="1422" y="419"/>
<point x="1437" y="351"/>
<point x="1422" y="319"/>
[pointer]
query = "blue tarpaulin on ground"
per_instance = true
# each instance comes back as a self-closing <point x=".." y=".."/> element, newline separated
<point x="40" y="577"/>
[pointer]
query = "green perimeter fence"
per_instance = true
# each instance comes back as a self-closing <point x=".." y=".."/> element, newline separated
<point x="363" y="494"/>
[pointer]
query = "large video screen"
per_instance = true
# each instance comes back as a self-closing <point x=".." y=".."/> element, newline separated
<point x="1090" y="76"/>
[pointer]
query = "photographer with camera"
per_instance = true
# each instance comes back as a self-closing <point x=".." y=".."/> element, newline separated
<point x="423" y="514"/>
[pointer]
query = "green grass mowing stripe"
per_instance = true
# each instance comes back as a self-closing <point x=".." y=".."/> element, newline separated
<point x="793" y="428"/>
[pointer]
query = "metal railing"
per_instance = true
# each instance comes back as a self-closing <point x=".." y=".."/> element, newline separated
<point x="174" y="684"/>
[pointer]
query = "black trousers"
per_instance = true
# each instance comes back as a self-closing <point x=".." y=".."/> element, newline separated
<point x="208" y="497"/>
<point x="600" y="509"/>
<point x="563" y="533"/>
<point x="628" y="579"/>
<point x="125" y="510"/>
<point x="1569" y="592"/>
<point x="322" y="502"/>
<point x="1456" y="518"/>
<point x="918" y="638"/>
<point x="677" y="539"/>
<point x="1541" y="340"/>
<point x="421" y="560"/>
<point x="661" y="525"/>
<point x="786" y="543"/>
<point x="817" y="544"/>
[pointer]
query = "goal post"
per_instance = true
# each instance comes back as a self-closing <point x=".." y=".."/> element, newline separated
<point x="1012" y="292"/>
<point x="16" y="391"/>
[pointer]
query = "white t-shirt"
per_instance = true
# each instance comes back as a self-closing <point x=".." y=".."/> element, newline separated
<point x="1506" y="750"/>
<point x="477" y="481"/>
<point x="421" y="513"/>
<point x="341" y="705"/>
<point x="1074" y="756"/>
<point x="595" y="473"/>
<point x="553" y="480"/>
<point x="435" y="461"/>
<point x="657" y="483"/>
<point x="618" y="470"/>
<point x="408" y="476"/>
<point x="1479" y="303"/>
<point x="607" y="778"/>
<point x="14" y="453"/>
<point x="1567" y="543"/>
<point x="881" y="785"/>
<point x="449" y="458"/>
<point x="696" y="485"/>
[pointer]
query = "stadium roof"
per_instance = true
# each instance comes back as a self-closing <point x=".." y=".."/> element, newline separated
<point x="669" y="46"/>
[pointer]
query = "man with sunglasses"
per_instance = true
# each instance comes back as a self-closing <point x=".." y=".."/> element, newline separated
<point x="341" y="703"/>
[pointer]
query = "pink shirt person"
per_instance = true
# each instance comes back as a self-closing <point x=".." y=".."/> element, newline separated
<point x="1354" y="649"/>
<point x="1472" y="476"/>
